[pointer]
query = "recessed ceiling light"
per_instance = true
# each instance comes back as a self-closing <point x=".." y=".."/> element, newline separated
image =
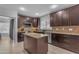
<point x="53" y="6"/>
<point x="37" y="14"/>
<point x="60" y="12"/>
<point x="22" y="8"/>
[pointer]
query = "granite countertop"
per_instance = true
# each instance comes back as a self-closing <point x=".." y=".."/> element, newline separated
<point x="35" y="35"/>
<point x="67" y="33"/>
<point x="68" y="30"/>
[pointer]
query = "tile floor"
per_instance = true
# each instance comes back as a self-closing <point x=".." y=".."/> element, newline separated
<point x="7" y="47"/>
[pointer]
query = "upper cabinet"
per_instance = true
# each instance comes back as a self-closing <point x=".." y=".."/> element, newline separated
<point x="74" y="15"/>
<point x="65" y="17"/>
<point x="21" y="21"/>
<point x="35" y="21"/>
<point x="56" y="19"/>
<point x="52" y="19"/>
<point x="60" y="18"/>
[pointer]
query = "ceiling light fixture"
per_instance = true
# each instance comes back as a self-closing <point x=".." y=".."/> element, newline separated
<point x="53" y="6"/>
<point x="37" y="14"/>
<point x="22" y="8"/>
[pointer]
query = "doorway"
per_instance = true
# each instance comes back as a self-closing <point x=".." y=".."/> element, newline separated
<point x="6" y="33"/>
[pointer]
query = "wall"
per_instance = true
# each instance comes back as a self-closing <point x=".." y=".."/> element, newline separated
<point x="45" y="22"/>
<point x="4" y="24"/>
<point x="4" y="27"/>
<point x="13" y="14"/>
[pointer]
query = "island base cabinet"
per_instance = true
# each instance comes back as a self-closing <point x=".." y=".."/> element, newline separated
<point x="36" y="46"/>
<point x="42" y="45"/>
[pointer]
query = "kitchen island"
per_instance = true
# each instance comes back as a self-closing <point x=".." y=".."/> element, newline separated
<point x="36" y="43"/>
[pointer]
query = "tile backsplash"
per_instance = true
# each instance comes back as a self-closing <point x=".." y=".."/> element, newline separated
<point x="74" y="29"/>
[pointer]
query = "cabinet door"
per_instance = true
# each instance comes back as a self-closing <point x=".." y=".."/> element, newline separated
<point x="74" y="15"/>
<point x="58" y="20"/>
<point x="21" y="21"/>
<point x="35" y="22"/>
<point x="65" y="17"/>
<point x="52" y="20"/>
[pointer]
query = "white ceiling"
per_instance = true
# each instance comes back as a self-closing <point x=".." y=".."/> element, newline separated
<point x="31" y="9"/>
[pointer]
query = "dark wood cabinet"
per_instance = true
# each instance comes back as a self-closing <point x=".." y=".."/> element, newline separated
<point x="20" y="37"/>
<point x="35" y="22"/>
<point x="69" y="42"/>
<point x="20" y="21"/>
<point x="36" y="45"/>
<point x="65" y="17"/>
<point x="52" y="19"/>
<point x="58" y="20"/>
<point x="74" y="15"/>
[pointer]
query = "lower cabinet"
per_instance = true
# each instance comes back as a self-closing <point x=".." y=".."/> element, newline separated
<point x="68" y="42"/>
<point x="20" y="37"/>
